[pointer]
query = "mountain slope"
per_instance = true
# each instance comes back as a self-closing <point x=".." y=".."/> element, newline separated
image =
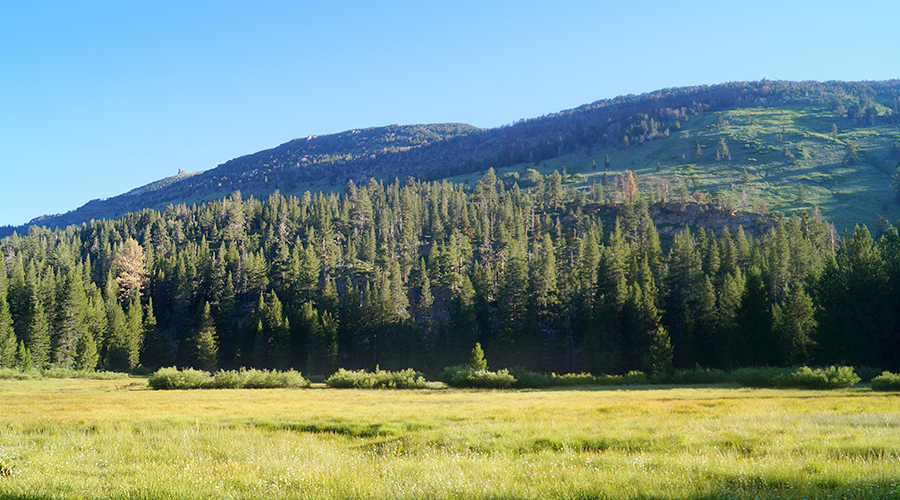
<point x="789" y="145"/>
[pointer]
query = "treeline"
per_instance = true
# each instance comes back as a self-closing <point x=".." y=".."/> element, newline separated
<point x="414" y="274"/>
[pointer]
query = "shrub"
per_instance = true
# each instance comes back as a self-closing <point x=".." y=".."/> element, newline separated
<point x="758" y="376"/>
<point x="701" y="376"/>
<point x="465" y="376"/>
<point x="803" y="377"/>
<point x="172" y="378"/>
<point x="63" y="372"/>
<point x="16" y="374"/>
<point x="265" y="379"/>
<point x="57" y="372"/>
<point x="527" y="379"/>
<point x="819" y="378"/>
<point x="380" y="379"/>
<point x="887" y="381"/>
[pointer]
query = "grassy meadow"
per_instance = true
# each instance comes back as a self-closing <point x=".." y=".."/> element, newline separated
<point x="117" y="439"/>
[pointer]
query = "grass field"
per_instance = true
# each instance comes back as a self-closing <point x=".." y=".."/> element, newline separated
<point x="115" y="439"/>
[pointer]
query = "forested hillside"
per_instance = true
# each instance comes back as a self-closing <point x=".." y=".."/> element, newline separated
<point x="552" y="277"/>
<point x="762" y="146"/>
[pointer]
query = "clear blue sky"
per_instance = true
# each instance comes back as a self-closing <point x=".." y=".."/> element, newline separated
<point x="99" y="97"/>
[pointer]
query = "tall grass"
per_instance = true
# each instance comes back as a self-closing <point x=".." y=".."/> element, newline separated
<point x="86" y="442"/>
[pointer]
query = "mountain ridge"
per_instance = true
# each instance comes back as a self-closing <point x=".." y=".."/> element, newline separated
<point x="682" y="121"/>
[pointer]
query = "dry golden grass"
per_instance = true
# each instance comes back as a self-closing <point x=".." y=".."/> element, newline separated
<point x="109" y="439"/>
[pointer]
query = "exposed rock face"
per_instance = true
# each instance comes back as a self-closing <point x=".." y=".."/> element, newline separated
<point x="672" y="217"/>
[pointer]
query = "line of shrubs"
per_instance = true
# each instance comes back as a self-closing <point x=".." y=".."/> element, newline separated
<point x="58" y="372"/>
<point x="466" y="376"/>
<point x="380" y="379"/>
<point x="833" y="377"/>
<point x="173" y="378"/>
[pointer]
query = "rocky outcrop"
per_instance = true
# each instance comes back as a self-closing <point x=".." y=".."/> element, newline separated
<point x="673" y="217"/>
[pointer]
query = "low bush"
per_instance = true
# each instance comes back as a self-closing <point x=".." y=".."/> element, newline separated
<point x="701" y="376"/>
<point x="16" y="374"/>
<point x="257" y="379"/>
<point x="57" y="372"/>
<point x="527" y="379"/>
<point x="380" y="379"/>
<point x="803" y="377"/>
<point x="761" y="377"/>
<point x="172" y="378"/>
<point x="887" y="381"/>
<point x="61" y="372"/>
<point x="466" y="376"/>
<point x="571" y="379"/>
<point x="839" y="377"/>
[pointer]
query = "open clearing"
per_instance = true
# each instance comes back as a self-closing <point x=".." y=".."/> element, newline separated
<point x="116" y="439"/>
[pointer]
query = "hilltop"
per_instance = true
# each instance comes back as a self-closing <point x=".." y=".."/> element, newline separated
<point x="769" y="146"/>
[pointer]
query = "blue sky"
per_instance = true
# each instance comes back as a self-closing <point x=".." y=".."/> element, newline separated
<point x="97" y="98"/>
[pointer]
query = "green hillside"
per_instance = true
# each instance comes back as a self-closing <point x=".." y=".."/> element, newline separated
<point x="758" y="175"/>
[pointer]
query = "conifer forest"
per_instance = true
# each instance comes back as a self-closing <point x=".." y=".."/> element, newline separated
<point x="414" y="274"/>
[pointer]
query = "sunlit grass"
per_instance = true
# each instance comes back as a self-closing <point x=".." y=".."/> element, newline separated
<point x="105" y="439"/>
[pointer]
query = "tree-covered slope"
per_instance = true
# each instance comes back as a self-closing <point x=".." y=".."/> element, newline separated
<point x="768" y="146"/>
<point x="413" y="274"/>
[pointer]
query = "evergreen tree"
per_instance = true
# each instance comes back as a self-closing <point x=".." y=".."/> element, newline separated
<point x="476" y="360"/>
<point x="797" y="326"/>
<point x="206" y="343"/>
<point x="24" y="360"/>
<point x="86" y="355"/>
<point x="7" y="334"/>
<point x="72" y="320"/>
<point x="659" y="364"/>
<point x="37" y="339"/>
<point x="116" y="353"/>
<point x="755" y="322"/>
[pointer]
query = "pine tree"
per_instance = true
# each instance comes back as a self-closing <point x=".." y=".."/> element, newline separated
<point x="134" y="332"/>
<point x="424" y="313"/>
<point x="24" y="360"/>
<point x="797" y="326"/>
<point x="38" y="336"/>
<point x="86" y="355"/>
<point x="7" y="334"/>
<point x="72" y="319"/>
<point x="543" y="276"/>
<point x="116" y="355"/>
<point x="329" y="339"/>
<point x="206" y="342"/>
<point x="476" y="360"/>
<point x="754" y="320"/>
<point x="513" y="294"/>
<point x="659" y="358"/>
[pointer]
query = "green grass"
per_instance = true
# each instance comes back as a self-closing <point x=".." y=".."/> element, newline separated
<point x="847" y="195"/>
<point x="93" y="439"/>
